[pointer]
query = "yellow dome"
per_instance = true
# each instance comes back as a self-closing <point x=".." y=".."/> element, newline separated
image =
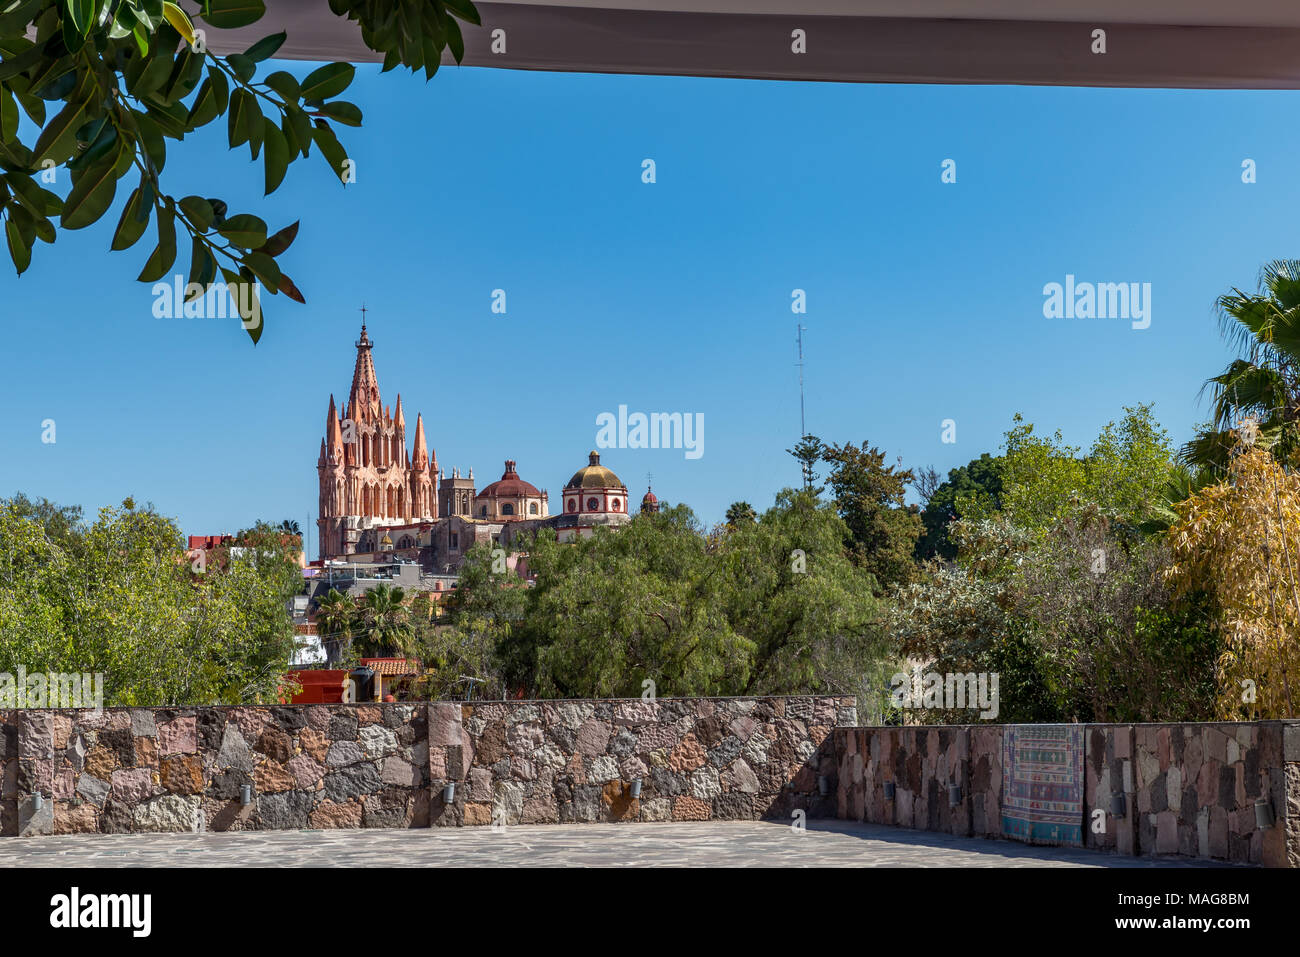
<point x="594" y="475"/>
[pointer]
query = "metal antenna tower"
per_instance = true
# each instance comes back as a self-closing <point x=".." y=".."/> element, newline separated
<point x="799" y="328"/>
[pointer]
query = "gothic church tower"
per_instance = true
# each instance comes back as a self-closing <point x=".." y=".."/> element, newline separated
<point x="367" y="477"/>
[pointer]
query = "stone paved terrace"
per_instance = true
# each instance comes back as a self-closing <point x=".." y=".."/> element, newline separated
<point x="699" y="844"/>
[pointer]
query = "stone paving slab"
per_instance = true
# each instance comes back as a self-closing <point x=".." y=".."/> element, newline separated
<point x="694" y="844"/>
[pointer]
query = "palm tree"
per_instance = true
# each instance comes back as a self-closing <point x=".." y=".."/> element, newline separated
<point x="1262" y="386"/>
<point x="385" y="621"/>
<point x="336" y="619"/>
<point x="290" y="527"/>
<point x="740" y="513"/>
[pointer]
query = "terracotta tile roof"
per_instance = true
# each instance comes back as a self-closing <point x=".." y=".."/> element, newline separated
<point x="389" y="666"/>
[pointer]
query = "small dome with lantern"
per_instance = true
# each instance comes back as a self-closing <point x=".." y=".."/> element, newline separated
<point x="510" y="498"/>
<point x="595" y="489"/>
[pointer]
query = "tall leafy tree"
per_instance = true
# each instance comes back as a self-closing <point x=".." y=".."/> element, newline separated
<point x="869" y="496"/>
<point x="482" y="635"/>
<point x="1123" y="473"/>
<point x="1262" y="385"/>
<point x="62" y="523"/>
<point x="971" y="490"/>
<point x="1121" y="647"/>
<point x="619" y="608"/>
<point x="773" y="605"/>
<point x="808" y="452"/>
<point x="116" y="596"/>
<point x="794" y="594"/>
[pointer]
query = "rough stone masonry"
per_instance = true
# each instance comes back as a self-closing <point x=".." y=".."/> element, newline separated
<point x="387" y="765"/>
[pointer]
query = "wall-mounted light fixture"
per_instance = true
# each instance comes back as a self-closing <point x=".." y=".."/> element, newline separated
<point x="1118" y="806"/>
<point x="823" y="785"/>
<point x="636" y="789"/>
<point x="38" y="801"/>
<point x="954" y="795"/>
<point x="1263" y="814"/>
<point x="245" y="794"/>
<point x="890" y="788"/>
<point x="449" y="793"/>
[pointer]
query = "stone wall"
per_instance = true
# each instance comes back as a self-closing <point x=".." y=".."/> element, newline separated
<point x="921" y="762"/>
<point x="184" y="769"/>
<point x="697" y="758"/>
<point x="1188" y="789"/>
<point x="386" y="765"/>
<point x="1191" y="789"/>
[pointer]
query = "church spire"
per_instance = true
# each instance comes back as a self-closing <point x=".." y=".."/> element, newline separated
<point x="363" y="400"/>
<point x="333" y="434"/>
<point x="419" y="458"/>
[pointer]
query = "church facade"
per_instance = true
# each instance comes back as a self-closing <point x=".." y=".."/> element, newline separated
<point x="380" y="501"/>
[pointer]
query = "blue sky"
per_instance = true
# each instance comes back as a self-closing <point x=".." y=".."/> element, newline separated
<point x="924" y="300"/>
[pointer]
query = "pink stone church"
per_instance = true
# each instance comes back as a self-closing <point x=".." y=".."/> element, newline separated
<point x="380" y="502"/>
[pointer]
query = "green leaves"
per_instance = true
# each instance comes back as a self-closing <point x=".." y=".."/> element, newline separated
<point x="123" y="79"/>
<point x="265" y="48"/>
<point x="91" y="196"/>
<point x="277" y="155"/>
<point x="299" y="123"/>
<point x="151" y="139"/>
<point x="96" y="139"/>
<point x="41" y="202"/>
<point x="464" y="10"/>
<point x="264" y="268"/>
<point x="231" y="14"/>
<point x="342" y="111"/>
<point x="243" y="107"/>
<point x="58" y="140"/>
<point x="203" y="267"/>
<point x="81" y="13"/>
<point x="152" y="77"/>
<point x="184" y="77"/>
<point x="409" y="33"/>
<point x="20" y="251"/>
<point x="329" y="146"/>
<point x="245" y="231"/>
<point x="284" y="84"/>
<point x="8" y="116"/>
<point x="164" y="254"/>
<point x="242" y="66"/>
<point x="242" y="284"/>
<point x="330" y="80"/>
<point x="198" y="211"/>
<point x="134" y="221"/>
<point x="122" y="602"/>
<point x="212" y="99"/>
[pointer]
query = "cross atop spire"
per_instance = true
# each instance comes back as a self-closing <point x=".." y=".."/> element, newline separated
<point x="364" y="341"/>
<point x="649" y="503"/>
